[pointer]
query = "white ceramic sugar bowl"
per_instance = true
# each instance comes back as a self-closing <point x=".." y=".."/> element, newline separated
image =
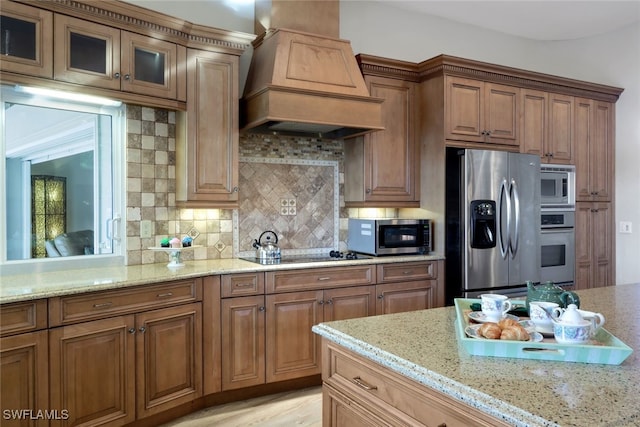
<point x="569" y="327"/>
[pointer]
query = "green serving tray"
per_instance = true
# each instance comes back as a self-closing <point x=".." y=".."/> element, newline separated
<point x="609" y="350"/>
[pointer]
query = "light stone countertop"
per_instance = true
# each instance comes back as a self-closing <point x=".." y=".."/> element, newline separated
<point x="422" y="345"/>
<point x="23" y="287"/>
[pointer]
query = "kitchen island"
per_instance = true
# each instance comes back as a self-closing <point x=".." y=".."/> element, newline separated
<point x="422" y="348"/>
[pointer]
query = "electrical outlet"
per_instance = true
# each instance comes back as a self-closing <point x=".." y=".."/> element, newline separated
<point x="625" y="227"/>
<point x="146" y="229"/>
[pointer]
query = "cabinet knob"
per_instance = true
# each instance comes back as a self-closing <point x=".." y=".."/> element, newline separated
<point x="262" y="309"/>
<point x="368" y="191"/>
<point x="132" y="330"/>
<point x="321" y="302"/>
<point x="236" y="189"/>
<point x="329" y="301"/>
<point x="127" y="77"/>
<point x="380" y="296"/>
<point x="142" y="329"/>
<point x="116" y="75"/>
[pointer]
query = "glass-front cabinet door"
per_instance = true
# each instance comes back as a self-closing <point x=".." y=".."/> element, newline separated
<point x="26" y="40"/>
<point x="149" y="66"/>
<point x="99" y="55"/>
<point x="86" y="53"/>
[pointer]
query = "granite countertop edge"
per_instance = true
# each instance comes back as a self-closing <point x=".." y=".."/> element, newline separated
<point x="38" y="285"/>
<point x="467" y="395"/>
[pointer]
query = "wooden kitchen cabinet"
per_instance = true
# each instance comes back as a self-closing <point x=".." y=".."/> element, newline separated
<point x="243" y="342"/>
<point x="594" y="245"/>
<point x="481" y="112"/>
<point x="360" y="392"/>
<point x="26" y="40"/>
<point x="24" y="360"/>
<point x="91" y="54"/>
<point x="208" y="144"/>
<point x="382" y="168"/>
<point x="348" y="303"/>
<point x="409" y="286"/>
<point x="293" y="350"/>
<point x="546" y="127"/>
<point x="150" y="352"/>
<point x="594" y="133"/>
<point x="92" y="371"/>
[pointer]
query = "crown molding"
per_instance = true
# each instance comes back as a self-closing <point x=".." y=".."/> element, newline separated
<point x="129" y="17"/>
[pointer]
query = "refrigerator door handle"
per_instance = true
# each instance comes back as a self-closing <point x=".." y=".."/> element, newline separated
<point x="504" y="192"/>
<point x="513" y="248"/>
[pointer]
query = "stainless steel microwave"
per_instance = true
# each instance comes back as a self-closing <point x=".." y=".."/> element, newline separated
<point x="390" y="236"/>
<point x="557" y="187"/>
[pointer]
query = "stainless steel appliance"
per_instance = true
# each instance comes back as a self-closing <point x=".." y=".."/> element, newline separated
<point x="493" y="222"/>
<point x="558" y="187"/>
<point x="557" y="247"/>
<point x="390" y="236"/>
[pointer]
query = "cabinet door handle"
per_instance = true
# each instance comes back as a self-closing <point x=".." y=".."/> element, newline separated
<point x="244" y="285"/>
<point x="380" y="296"/>
<point x="368" y="190"/>
<point x="236" y="189"/>
<point x="116" y="75"/>
<point x="165" y="295"/>
<point x="103" y="305"/>
<point x="132" y="330"/>
<point x="127" y="77"/>
<point x="321" y="302"/>
<point x="362" y="384"/>
<point x="407" y="272"/>
<point x="322" y="279"/>
<point x="142" y="329"/>
<point x="262" y="309"/>
<point x="329" y="301"/>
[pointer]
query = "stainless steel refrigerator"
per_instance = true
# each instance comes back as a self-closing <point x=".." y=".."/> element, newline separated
<point x="492" y="222"/>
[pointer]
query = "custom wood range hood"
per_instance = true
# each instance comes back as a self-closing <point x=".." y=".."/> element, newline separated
<point x="303" y="79"/>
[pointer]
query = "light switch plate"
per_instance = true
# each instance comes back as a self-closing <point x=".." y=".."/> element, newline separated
<point x="626" y="227"/>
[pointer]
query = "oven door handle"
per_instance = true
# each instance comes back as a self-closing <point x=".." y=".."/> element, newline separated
<point x="557" y="230"/>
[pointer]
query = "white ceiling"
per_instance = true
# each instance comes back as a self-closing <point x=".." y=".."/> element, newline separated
<point x="537" y="20"/>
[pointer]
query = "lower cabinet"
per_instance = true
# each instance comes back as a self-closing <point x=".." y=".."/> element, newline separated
<point x="359" y="392"/>
<point x="115" y="370"/>
<point x="266" y="322"/>
<point x="24" y="371"/>
<point x="409" y="286"/>
<point x="594" y="245"/>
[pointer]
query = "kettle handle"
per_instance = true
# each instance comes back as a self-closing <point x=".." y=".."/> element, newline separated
<point x="259" y="241"/>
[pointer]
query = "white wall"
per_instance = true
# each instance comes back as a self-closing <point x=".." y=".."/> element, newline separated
<point x="612" y="59"/>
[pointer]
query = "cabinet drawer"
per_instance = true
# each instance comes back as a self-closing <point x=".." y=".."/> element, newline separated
<point x="319" y="278"/>
<point x="23" y="317"/>
<point x="89" y="306"/>
<point x="407" y="271"/>
<point x="382" y="391"/>
<point x="239" y="285"/>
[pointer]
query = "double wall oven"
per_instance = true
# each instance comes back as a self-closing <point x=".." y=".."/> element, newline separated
<point x="557" y="224"/>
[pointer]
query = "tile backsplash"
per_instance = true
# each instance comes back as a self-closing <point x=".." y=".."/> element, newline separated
<point x="291" y="185"/>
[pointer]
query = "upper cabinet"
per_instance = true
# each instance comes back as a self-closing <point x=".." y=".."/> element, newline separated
<point x="594" y="130"/>
<point x="111" y="48"/>
<point x="207" y="158"/>
<point x="26" y="40"/>
<point x="477" y="111"/>
<point x="98" y="55"/>
<point x="546" y="127"/>
<point x="382" y="167"/>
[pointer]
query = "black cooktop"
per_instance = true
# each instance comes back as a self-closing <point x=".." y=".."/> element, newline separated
<point x="293" y="259"/>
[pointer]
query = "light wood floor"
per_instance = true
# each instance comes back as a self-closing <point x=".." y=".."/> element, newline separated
<point x="295" y="408"/>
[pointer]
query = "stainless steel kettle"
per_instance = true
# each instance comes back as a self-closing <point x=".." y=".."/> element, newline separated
<point x="267" y="250"/>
